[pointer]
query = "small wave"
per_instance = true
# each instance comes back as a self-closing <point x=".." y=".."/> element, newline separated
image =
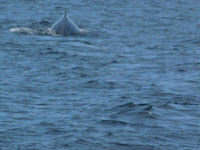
<point x="93" y="84"/>
<point x="124" y="107"/>
<point x="146" y="110"/>
<point x="100" y="84"/>
<point x="127" y="146"/>
<point x="44" y="22"/>
<point x="114" y="122"/>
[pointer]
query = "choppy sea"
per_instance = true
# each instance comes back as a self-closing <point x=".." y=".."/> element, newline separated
<point x="132" y="82"/>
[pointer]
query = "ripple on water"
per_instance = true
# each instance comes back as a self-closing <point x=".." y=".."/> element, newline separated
<point x="130" y="82"/>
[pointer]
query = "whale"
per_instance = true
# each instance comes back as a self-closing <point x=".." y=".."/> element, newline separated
<point x="65" y="26"/>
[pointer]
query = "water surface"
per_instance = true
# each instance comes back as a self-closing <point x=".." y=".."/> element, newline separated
<point x="131" y="82"/>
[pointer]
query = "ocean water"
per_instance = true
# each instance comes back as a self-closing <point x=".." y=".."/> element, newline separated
<point x="131" y="82"/>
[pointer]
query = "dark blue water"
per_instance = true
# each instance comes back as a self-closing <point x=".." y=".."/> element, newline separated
<point x="131" y="82"/>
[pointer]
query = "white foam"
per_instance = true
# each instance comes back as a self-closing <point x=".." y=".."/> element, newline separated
<point x="22" y="30"/>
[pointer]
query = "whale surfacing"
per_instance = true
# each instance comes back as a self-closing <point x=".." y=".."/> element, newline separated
<point x="65" y="26"/>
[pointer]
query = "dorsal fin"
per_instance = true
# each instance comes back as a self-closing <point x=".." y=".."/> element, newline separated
<point x="65" y="13"/>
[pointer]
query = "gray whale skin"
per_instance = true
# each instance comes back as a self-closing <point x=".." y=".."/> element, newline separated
<point x="65" y="26"/>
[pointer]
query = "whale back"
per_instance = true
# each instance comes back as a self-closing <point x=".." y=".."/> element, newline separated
<point x="65" y="26"/>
